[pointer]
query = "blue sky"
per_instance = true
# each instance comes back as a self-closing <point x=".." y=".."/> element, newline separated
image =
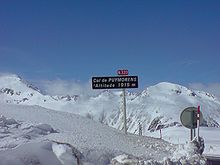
<point x="174" y="41"/>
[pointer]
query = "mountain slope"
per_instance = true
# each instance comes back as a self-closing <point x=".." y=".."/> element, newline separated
<point x="164" y="102"/>
<point x="91" y="138"/>
<point x="156" y="107"/>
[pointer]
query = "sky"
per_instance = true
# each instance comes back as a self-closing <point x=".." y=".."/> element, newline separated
<point x="72" y="41"/>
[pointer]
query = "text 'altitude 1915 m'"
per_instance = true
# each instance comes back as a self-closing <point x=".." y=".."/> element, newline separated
<point x="115" y="82"/>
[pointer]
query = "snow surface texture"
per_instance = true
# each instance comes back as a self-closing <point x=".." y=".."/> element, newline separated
<point x="25" y="139"/>
<point x="181" y="135"/>
<point x="156" y="107"/>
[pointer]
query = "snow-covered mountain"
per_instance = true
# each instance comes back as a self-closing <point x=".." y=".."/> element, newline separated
<point x="156" y="107"/>
<point x="33" y="132"/>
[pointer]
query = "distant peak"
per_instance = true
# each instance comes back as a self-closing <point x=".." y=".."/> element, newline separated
<point x="167" y="87"/>
<point x="166" y="84"/>
<point x="14" y="81"/>
<point x="9" y="77"/>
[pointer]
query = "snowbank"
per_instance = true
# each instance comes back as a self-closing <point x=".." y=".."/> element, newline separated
<point x="37" y="135"/>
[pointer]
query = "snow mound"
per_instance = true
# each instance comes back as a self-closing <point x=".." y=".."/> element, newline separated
<point x="5" y="122"/>
<point x="66" y="153"/>
<point x="81" y="140"/>
<point x="30" y="154"/>
<point x="184" y="154"/>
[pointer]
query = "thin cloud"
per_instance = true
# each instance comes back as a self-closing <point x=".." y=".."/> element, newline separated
<point x="6" y="74"/>
<point x="64" y="87"/>
<point x="189" y="63"/>
<point x="213" y="88"/>
<point x="61" y="87"/>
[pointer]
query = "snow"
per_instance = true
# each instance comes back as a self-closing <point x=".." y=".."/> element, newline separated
<point x="181" y="136"/>
<point x="98" y="143"/>
<point x="30" y="118"/>
<point x="87" y="131"/>
<point x="29" y="153"/>
<point x="64" y="154"/>
<point x="124" y="159"/>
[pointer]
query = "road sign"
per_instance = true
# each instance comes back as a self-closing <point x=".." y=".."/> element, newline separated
<point x="115" y="82"/>
<point x="122" y="72"/>
<point x="188" y="117"/>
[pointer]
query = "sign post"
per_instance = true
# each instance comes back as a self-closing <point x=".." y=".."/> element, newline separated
<point x="124" y="110"/>
<point x="124" y="73"/>
<point x="198" y="122"/>
<point x="122" y="81"/>
<point x="189" y="118"/>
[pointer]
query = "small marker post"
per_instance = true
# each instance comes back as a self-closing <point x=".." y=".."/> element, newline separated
<point x="160" y="134"/>
<point x="198" y="122"/>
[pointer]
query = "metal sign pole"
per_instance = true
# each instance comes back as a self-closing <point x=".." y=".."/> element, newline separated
<point x="160" y="133"/>
<point x="139" y="129"/>
<point x="194" y="133"/>
<point x="124" y="110"/>
<point x="191" y="134"/>
<point x="198" y="122"/>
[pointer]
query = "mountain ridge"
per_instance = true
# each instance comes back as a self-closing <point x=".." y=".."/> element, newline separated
<point x="157" y="106"/>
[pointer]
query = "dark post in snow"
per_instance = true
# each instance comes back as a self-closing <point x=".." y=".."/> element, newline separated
<point x="198" y="122"/>
<point x="139" y="129"/>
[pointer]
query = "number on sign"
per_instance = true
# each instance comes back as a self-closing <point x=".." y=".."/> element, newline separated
<point x="122" y="72"/>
